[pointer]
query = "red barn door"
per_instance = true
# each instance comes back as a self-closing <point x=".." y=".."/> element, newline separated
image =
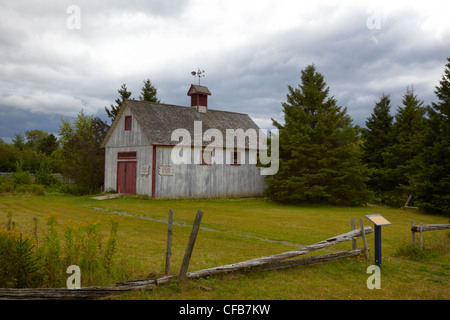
<point x="126" y="177"/>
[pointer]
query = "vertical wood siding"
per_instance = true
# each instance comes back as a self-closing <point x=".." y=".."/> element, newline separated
<point x="202" y="181"/>
<point x="189" y="180"/>
<point x="123" y="140"/>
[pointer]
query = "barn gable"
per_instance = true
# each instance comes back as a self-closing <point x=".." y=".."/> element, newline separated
<point x="119" y="136"/>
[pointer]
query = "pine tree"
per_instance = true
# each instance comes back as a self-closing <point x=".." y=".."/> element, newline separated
<point x="402" y="157"/>
<point x="432" y="182"/>
<point x="377" y="138"/>
<point x="124" y="94"/>
<point x="319" y="149"/>
<point x="148" y="92"/>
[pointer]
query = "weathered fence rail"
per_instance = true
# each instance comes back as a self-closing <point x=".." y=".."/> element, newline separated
<point x="422" y="228"/>
<point x="276" y="261"/>
<point x="281" y="256"/>
<point x="60" y="293"/>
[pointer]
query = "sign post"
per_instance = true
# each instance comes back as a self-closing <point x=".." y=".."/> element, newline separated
<point x="378" y="220"/>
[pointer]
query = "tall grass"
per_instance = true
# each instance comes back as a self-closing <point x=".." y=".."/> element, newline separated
<point x="438" y="246"/>
<point x="242" y="227"/>
<point x="25" y="263"/>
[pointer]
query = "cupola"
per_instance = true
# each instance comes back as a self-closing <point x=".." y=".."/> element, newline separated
<point x="199" y="97"/>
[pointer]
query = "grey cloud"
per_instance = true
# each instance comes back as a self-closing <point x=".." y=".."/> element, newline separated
<point x="14" y="120"/>
<point x="47" y="68"/>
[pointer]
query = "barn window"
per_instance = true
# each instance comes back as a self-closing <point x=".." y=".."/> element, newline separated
<point x="235" y="158"/>
<point x="206" y="157"/>
<point x="128" y="123"/>
<point x="126" y="155"/>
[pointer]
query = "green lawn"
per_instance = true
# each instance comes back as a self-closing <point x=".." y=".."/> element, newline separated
<point x="235" y="230"/>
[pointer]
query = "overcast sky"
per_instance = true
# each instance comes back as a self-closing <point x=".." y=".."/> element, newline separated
<point x="58" y="57"/>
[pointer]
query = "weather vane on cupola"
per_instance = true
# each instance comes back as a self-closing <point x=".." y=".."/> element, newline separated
<point x="199" y="73"/>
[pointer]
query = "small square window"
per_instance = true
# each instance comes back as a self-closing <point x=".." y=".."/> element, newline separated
<point x="128" y="123"/>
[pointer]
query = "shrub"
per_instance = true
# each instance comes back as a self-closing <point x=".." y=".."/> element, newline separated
<point x="23" y="264"/>
<point x="44" y="175"/>
<point x="20" y="266"/>
<point x="6" y="185"/>
<point x="22" y="177"/>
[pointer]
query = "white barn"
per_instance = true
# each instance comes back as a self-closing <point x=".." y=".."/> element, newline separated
<point x="138" y="152"/>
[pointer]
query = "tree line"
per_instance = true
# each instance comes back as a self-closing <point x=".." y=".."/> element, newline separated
<point x="324" y="157"/>
<point x="76" y="153"/>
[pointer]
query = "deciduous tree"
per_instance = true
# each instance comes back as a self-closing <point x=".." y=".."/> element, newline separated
<point x="82" y="157"/>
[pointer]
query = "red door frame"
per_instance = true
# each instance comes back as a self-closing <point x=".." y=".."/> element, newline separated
<point x="128" y="180"/>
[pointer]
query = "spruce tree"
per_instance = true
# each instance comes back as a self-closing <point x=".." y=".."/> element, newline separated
<point x="377" y="138"/>
<point x="124" y="94"/>
<point x="402" y="157"/>
<point x="148" y="92"/>
<point x="319" y="149"/>
<point x="432" y="182"/>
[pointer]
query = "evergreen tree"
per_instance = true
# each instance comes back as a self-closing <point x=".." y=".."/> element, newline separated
<point x="402" y="157"/>
<point x="377" y="138"/>
<point x="19" y="141"/>
<point x="148" y="92"/>
<point x="432" y="182"/>
<point x="48" y="144"/>
<point x="124" y="94"/>
<point x="319" y="149"/>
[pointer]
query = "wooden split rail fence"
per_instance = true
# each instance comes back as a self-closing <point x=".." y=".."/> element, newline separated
<point x="277" y="261"/>
<point x="422" y="228"/>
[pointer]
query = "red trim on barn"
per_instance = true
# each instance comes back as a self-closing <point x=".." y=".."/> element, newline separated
<point x="235" y="158"/>
<point x="128" y="123"/>
<point x="153" y="171"/>
<point x="126" y="155"/>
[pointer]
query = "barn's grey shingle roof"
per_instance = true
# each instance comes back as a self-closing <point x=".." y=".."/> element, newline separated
<point x="158" y="121"/>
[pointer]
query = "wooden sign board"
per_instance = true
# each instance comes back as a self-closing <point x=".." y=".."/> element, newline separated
<point x="166" y="171"/>
<point x="378" y="219"/>
<point x="145" y="169"/>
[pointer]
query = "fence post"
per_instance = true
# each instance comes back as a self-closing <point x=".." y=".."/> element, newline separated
<point x="366" y="249"/>
<point x="169" y="242"/>
<point x="190" y="246"/>
<point x="421" y="238"/>
<point x="353" y="228"/>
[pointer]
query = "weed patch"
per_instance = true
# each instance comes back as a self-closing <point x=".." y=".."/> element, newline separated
<point x="28" y="262"/>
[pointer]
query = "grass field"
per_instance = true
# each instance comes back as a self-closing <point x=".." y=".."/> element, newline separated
<point x="235" y="230"/>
